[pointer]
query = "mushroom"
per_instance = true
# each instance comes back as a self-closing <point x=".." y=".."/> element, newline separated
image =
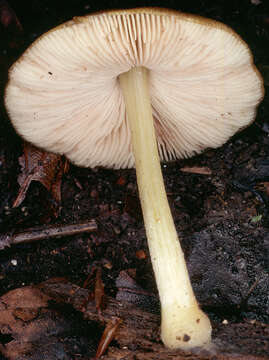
<point x="122" y="88"/>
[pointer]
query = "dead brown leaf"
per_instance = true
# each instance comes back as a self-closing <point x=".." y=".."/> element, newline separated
<point x="19" y="311"/>
<point x="38" y="165"/>
<point x="32" y="329"/>
<point x="108" y="336"/>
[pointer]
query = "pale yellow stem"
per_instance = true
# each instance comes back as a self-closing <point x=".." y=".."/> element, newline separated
<point x="184" y="325"/>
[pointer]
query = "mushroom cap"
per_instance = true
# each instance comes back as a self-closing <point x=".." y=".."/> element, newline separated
<point x="63" y="93"/>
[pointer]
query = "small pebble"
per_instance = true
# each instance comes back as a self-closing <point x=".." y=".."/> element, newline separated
<point x="141" y="255"/>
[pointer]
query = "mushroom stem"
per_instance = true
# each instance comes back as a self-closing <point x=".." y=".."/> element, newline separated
<point x="183" y="325"/>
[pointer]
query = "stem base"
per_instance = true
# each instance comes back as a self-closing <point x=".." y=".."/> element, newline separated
<point x="185" y="328"/>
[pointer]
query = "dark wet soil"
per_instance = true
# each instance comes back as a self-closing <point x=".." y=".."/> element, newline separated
<point x="222" y="218"/>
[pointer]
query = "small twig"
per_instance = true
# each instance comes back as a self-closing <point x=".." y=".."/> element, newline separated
<point x="200" y="170"/>
<point x="36" y="234"/>
<point x="244" y="301"/>
<point x="99" y="293"/>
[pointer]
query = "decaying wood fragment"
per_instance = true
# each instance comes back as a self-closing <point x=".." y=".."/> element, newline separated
<point x="137" y="337"/>
<point x="132" y="329"/>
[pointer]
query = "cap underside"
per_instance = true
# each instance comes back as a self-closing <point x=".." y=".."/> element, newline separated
<point x="64" y="95"/>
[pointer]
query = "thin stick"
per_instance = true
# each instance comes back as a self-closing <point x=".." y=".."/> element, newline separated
<point x="35" y="234"/>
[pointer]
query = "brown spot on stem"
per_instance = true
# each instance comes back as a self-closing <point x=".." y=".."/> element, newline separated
<point x="186" y="338"/>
